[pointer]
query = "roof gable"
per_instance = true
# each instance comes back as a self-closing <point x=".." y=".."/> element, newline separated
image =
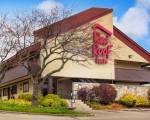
<point x="131" y="43"/>
<point x="85" y="17"/>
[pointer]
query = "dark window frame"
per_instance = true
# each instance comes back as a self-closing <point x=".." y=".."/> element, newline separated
<point x="14" y="89"/>
<point x="26" y="84"/>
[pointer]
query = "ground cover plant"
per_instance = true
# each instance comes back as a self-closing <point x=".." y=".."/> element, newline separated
<point x="50" y="104"/>
<point x="38" y="109"/>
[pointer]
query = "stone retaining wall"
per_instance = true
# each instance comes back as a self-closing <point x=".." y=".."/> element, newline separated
<point x="121" y="89"/>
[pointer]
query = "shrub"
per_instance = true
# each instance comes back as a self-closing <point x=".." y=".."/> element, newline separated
<point x="91" y="97"/>
<point x="60" y="103"/>
<point x="82" y="94"/>
<point x="63" y="103"/>
<point x="25" y="96"/>
<point x="47" y="102"/>
<point x="142" y="101"/>
<point x="40" y="98"/>
<point x="104" y="94"/>
<point x="132" y="100"/>
<point x="52" y="96"/>
<point x="52" y="100"/>
<point x="56" y="104"/>
<point x="128" y="99"/>
<point x="15" y="102"/>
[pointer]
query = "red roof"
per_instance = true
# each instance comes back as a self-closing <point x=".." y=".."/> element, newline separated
<point x="78" y="20"/>
<point x="87" y="16"/>
<point x="73" y="21"/>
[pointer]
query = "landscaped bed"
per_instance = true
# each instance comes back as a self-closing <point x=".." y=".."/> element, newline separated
<point x="41" y="110"/>
<point x="113" y="106"/>
<point x="51" y="104"/>
<point x="103" y="97"/>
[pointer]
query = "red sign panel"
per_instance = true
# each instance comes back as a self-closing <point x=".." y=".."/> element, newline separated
<point x="101" y="46"/>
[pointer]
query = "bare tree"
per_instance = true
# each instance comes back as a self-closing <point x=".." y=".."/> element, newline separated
<point x="69" y="46"/>
<point x="6" y="46"/>
<point x="65" y="46"/>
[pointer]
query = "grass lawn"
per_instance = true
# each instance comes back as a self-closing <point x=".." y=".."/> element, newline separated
<point x="42" y="110"/>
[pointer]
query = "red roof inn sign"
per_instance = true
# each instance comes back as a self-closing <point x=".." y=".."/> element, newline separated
<point x="101" y="47"/>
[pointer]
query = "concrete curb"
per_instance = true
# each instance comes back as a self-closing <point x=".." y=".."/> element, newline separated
<point x="121" y="110"/>
<point x="140" y="109"/>
<point x="44" y="114"/>
<point x="28" y="113"/>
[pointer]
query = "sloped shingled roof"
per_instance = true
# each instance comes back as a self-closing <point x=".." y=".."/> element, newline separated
<point x="74" y="21"/>
<point x="32" y="48"/>
<point x="18" y="71"/>
<point x="87" y="16"/>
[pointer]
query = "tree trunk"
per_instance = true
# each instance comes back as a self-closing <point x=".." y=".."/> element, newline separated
<point x="35" y="91"/>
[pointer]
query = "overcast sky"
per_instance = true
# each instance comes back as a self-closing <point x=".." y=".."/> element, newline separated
<point x="131" y="16"/>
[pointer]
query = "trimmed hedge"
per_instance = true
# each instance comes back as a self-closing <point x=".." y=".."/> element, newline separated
<point x="52" y="100"/>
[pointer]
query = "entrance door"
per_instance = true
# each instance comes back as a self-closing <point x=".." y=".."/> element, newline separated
<point x="49" y="87"/>
<point x="52" y="86"/>
<point x="64" y="88"/>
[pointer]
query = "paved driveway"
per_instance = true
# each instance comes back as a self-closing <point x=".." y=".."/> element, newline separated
<point x="15" y="116"/>
<point x="120" y="115"/>
<point x="100" y="115"/>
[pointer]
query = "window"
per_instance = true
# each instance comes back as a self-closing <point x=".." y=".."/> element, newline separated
<point x="26" y="87"/>
<point x="5" y="91"/>
<point x="14" y="89"/>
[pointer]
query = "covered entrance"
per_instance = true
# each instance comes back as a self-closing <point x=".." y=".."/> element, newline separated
<point x="59" y="86"/>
